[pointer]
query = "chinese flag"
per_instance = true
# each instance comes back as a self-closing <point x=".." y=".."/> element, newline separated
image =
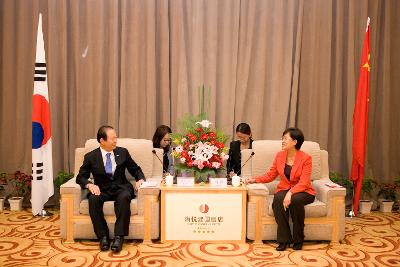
<point x="360" y="122"/>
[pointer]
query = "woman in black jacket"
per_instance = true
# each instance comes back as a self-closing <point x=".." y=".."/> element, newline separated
<point x="243" y="134"/>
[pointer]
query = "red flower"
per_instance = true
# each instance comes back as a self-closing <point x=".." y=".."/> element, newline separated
<point x="219" y="145"/>
<point x="212" y="135"/>
<point x="199" y="130"/>
<point x="192" y="138"/>
<point x="204" y="136"/>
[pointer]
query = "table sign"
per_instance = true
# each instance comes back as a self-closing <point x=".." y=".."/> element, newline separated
<point x="185" y="181"/>
<point x="218" y="182"/>
<point x="202" y="213"/>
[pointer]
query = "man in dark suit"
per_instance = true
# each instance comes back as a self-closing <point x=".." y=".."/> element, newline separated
<point x="107" y="164"/>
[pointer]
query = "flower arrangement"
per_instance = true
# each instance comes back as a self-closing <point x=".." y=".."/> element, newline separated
<point x="200" y="148"/>
<point x="21" y="183"/>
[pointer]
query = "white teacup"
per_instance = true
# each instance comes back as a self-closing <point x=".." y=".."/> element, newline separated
<point x="236" y="180"/>
<point x="169" y="180"/>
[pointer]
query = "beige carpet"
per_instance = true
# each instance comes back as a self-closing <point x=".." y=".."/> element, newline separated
<point x="371" y="240"/>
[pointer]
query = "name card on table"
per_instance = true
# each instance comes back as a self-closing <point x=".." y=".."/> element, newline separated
<point x="185" y="181"/>
<point x="218" y="182"/>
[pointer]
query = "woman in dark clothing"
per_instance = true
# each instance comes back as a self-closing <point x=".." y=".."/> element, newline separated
<point x="243" y="134"/>
<point x="162" y="139"/>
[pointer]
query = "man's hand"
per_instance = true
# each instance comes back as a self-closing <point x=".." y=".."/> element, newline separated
<point x="231" y="174"/>
<point x="287" y="200"/>
<point x="94" y="189"/>
<point x="138" y="184"/>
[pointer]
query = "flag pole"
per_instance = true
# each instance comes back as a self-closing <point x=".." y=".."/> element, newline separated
<point x="351" y="212"/>
<point x="44" y="213"/>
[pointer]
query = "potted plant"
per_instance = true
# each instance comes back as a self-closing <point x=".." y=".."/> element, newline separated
<point x="3" y="182"/>
<point x="61" y="178"/>
<point x="365" y="205"/>
<point x="388" y="195"/>
<point x="21" y="184"/>
<point x="339" y="179"/>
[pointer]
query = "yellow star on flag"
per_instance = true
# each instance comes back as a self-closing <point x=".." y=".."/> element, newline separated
<point x="366" y="65"/>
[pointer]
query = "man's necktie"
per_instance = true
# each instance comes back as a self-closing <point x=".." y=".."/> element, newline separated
<point x="108" y="165"/>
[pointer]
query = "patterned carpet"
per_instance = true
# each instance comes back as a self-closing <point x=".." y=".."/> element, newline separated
<point x="371" y="240"/>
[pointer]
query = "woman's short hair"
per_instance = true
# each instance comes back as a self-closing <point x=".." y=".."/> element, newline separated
<point x="102" y="132"/>
<point x="243" y="128"/>
<point x="159" y="134"/>
<point x="295" y="134"/>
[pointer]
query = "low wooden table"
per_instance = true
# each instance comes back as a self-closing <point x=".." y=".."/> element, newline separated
<point x="203" y="213"/>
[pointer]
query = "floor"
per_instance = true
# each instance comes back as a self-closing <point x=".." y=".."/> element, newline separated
<point x="371" y="240"/>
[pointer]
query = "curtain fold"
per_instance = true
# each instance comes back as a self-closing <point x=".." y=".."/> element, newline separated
<point x="144" y="71"/>
<point x="204" y="38"/>
<point x="266" y="81"/>
<point x="138" y="64"/>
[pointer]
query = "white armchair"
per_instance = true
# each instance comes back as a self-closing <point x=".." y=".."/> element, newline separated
<point x="325" y="217"/>
<point x="75" y="221"/>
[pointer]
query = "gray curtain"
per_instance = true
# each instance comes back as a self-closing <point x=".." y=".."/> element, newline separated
<point x="136" y="64"/>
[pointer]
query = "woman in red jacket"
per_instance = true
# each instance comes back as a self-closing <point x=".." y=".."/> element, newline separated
<point x="294" y="190"/>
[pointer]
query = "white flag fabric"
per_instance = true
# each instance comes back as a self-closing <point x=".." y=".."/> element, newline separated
<point x="42" y="162"/>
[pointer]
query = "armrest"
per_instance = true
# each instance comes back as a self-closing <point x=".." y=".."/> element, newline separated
<point x="327" y="190"/>
<point x="143" y="193"/>
<point x="258" y="195"/>
<point x="72" y="189"/>
<point x="257" y="190"/>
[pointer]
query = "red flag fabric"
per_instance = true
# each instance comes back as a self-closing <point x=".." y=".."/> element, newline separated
<point x="360" y="122"/>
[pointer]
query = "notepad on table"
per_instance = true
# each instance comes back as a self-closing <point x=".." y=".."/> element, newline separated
<point x="150" y="184"/>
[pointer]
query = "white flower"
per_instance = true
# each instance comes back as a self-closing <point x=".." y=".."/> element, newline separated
<point x="182" y="160"/>
<point x="183" y="140"/>
<point x="224" y="156"/>
<point x="216" y="165"/>
<point x="179" y="149"/>
<point x="204" y="123"/>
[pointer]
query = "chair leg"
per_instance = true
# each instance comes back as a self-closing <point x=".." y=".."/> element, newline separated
<point x="148" y="203"/>
<point x="68" y="202"/>
<point x="258" y="200"/>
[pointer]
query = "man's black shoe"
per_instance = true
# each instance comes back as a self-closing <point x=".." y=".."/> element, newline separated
<point x="117" y="244"/>
<point x="281" y="246"/>
<point x="298" y="246"/>
<point x="104" y="243"/>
